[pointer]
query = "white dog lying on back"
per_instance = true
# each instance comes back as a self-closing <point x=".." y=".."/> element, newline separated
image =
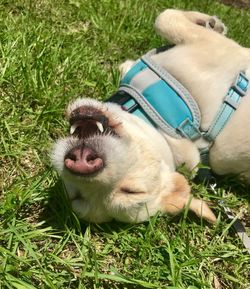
<point x="116" y="166"/>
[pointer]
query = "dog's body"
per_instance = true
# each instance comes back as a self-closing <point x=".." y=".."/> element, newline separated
<point x="127" y="171"/>
<point x="207" y="63"/>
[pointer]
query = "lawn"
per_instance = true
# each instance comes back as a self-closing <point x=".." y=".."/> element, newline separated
<point x="50" y="53"/>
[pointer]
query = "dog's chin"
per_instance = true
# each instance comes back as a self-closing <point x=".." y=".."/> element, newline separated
<point x="99" y="158"/>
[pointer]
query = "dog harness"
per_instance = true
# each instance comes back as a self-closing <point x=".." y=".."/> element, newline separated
<point x="152" y="93"/>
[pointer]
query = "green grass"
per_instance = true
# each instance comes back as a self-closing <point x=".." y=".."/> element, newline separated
<point x="50" y="53"/>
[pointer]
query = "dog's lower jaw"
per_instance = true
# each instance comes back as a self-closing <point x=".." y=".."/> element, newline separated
<point x="85" y="212"/>
<point x="139" y="212"/>
<point x="88" y="200"/>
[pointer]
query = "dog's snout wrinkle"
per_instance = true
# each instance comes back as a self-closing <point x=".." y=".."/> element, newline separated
<point x="83" y="161"/>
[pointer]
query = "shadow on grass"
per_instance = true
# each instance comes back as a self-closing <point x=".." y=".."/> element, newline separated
<point x="233" y="193"/>
<point x="237" y="3"/>
<point x="232" y="183"/>
<point x="229" y="183"/>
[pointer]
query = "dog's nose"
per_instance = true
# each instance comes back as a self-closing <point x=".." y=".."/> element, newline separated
<point x="83" y="161"/>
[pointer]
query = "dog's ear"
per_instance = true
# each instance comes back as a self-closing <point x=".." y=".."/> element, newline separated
<point x="180" y="196"/>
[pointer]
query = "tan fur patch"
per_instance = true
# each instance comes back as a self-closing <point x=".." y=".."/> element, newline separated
<point x="176" y="200"/>
<point x="180" y="197"/>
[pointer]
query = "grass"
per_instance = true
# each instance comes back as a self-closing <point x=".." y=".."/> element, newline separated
<point x="51" y="52"/>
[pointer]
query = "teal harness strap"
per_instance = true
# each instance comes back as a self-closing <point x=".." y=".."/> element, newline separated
<point x="188" y="124"/>
<point x="228" y="107"/>
<point x="230" y="104"/>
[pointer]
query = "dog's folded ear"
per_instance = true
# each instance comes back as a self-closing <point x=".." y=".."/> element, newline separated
<point x="180" y="197"/>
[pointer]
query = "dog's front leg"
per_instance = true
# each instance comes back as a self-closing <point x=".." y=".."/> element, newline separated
<point x="80" y="207"/>
<point x="187" y="26"/>
<point x="125" y="66"/>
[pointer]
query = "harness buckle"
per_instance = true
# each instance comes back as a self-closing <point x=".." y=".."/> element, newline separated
<point x="188" y="129"/>
<point x="241" y="84"/>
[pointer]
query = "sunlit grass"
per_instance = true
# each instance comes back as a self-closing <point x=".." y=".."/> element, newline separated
<point x="50" y="53"/>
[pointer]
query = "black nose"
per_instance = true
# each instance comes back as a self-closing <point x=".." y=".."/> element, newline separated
<point x="83" y="161"/>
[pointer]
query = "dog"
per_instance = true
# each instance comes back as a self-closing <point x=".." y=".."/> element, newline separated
<point x="116" y="166"/>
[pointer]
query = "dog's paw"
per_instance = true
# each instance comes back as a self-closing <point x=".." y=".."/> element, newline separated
<point x="125" y="66"/>
<point x="213" y="23"/>
<point x="80" y="207"/>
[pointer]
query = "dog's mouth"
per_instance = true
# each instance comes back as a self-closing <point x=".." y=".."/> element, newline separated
<point x="87" y="121"/>
<point x="87" y="124"/>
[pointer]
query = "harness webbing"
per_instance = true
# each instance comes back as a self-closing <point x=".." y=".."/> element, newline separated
<point x="230" y="104"/>
<point x="228" y="107"/>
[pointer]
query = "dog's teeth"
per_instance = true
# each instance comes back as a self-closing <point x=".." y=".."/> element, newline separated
<point x="100" y="126"/>
<point x="73" y="128"/>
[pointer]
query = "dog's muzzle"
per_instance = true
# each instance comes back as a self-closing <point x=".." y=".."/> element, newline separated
<point x="83" y="160"/>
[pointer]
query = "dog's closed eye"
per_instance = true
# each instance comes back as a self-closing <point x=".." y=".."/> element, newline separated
<point x="127" y="190"/>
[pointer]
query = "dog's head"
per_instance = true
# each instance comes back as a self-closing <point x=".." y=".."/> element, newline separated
<point x="118" y="164"/>
<point x="105" y="143"/>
